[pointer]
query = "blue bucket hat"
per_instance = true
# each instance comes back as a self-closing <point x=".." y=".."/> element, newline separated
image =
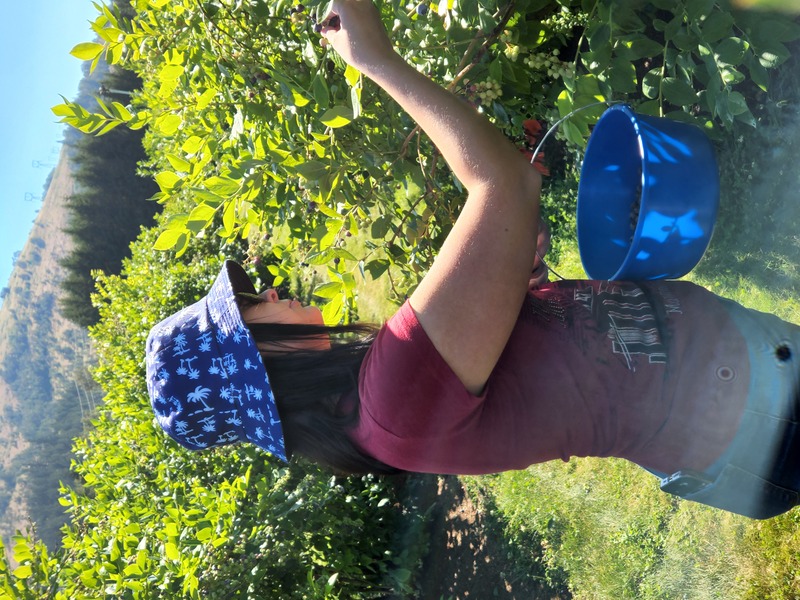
<point x="207" y="383"/>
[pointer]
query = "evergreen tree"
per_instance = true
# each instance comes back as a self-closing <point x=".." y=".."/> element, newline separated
<point x="109" y="207"/>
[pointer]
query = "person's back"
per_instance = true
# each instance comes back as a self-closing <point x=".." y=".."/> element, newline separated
<point x="591" y="369"/>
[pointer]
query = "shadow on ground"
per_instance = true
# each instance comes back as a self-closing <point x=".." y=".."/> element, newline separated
<point x="466" y="554"/>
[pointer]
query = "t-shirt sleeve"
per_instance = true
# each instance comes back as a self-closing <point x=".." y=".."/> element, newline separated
<point x="413" y="406"/>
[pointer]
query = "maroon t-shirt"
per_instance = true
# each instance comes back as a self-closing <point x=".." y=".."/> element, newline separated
<point x="656" y="373"/>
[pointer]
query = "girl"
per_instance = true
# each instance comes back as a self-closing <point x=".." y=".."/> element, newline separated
<point x="479" y="371"/>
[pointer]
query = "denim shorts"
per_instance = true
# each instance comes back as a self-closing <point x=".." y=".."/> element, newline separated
<point x="758" y="475"/>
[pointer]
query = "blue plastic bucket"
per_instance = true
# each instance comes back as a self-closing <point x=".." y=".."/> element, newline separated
<point x="647" y="198"/>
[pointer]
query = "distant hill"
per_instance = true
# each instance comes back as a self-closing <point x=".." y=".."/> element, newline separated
<point x="46" y="393"/>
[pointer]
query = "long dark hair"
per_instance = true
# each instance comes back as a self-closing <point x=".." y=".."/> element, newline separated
<point x="317" y="392"/>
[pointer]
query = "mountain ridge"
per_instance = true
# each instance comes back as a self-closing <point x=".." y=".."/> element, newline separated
<point x="43" y="366"/>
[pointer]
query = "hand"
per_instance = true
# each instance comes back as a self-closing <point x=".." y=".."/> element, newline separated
<point x="354" y="29"/>
<point x="540" y="272"/>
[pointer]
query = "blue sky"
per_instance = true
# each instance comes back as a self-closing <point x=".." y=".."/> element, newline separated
<point x="36" y="66"/>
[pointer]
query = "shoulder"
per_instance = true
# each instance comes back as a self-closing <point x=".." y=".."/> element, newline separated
<point x="403" y="376"/>
<point x="401" y="353"/>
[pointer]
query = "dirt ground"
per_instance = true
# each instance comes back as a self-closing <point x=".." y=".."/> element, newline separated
<point x="467" y="555"/>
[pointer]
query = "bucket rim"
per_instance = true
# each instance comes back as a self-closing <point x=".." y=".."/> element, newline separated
<point x="619" y="118"/>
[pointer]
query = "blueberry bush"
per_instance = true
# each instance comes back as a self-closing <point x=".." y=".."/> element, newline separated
<point x="252" y="120"/>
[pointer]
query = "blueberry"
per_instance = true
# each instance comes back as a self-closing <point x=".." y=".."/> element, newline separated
<point x="422" y="9"/>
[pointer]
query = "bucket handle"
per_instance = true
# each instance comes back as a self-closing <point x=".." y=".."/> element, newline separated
<point x="550" y="131"/>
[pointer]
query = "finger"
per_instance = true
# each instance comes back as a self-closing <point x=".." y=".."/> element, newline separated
<point x="329" y="18"/>
<point x="332" y="23"/>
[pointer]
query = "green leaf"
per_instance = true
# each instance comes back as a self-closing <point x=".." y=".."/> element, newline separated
<point x="747" y="118"/>
<point x="222" y="186"/>
<point x="716" y="26"/>
<point x="596" y="62"/>
<point x="168" y="239"/>
<point x="352" y="75"/>
<point x="673" y="28"/>
<point x="587" y="86"/>
<point x="299" y="99"/>
<point x="192" y="145"/>
<point x="678" y="92"/>
<point x="110" y="34"/>
<point x="206" y="197"/>
<point x="23" y="572"/>
<point x="758" y="73"/>
<point x="328" y="290"/>
<point x="496" y="70"/>
<point x="685" y="40"/>
<point x="179" y="164"/>
<point x="171" y="550"/>
<point x="377" y="267"/>
<point x="167" y="180"/>
<point x="87" y="50"/>
<point x="355" y="100"/>
<point x="772" y="55"/>
<point x="170" y="72"/>
<point x="651" y="83"/>
<point x="22" y="551"/>
<point x="599" y="36"/>
<point x="697" y="9"/>
<point x="651" y="107"/>
<point x="63" y="110"/>
<point x="319" y="88"/>
<point x="732" y="50"/>
<point x="380" y="227"/>
<point x="643" y="47"/>
<point x="203" y="213"/>
<point x="120" y="111"/>
<point x="338" y="116"/>
<point x="731" y="76"/>
<point x="737" y="103"/>
<point x="622" y="76"/>
<point x="573" y="133"/>
<point x="206" y="97"/>
<point x="312" y="170"/>
<point x="228" y="218"/>
<point x="333" y="311"/>
<point x="168" y="123"/>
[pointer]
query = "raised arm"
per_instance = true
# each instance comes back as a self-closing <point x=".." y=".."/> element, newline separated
<point x="470" y="299"/>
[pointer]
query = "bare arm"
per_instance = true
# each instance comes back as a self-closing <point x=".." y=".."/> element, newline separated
<point x="470" y="299"/>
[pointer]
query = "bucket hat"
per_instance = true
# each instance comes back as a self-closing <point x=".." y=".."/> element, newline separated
<point x="205" y="377"/>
